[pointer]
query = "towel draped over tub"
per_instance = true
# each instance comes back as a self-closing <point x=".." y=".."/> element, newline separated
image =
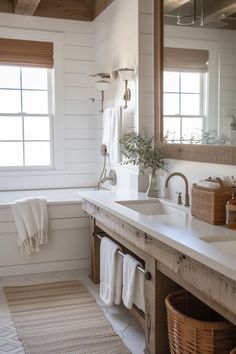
<point x="31" y="218"/>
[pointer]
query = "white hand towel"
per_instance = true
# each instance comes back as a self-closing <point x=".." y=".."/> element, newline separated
<point x="130" y="265"/>
<point x="108" y="271"/>
<point x="139" y="299"/>
<point x="31" y="220"/>
<point x="119" y="279"/>
<point x="111" y="132"/>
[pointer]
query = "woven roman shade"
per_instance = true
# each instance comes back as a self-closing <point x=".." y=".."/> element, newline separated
<point x="26" y="53"/>
<point x="182" y="59"/>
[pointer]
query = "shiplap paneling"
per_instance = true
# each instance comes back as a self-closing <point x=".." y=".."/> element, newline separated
<point x="68" y="241"/>
<point x="78" y="89"/>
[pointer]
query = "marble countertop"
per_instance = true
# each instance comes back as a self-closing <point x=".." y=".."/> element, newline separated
<point x="213" y="246"/>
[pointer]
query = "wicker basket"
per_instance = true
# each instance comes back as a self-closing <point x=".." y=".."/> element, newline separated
<point x="209" y="204"/>
<point x="194" y="328"/>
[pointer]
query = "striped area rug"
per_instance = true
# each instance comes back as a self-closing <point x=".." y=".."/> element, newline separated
<point x="60" y="318"/>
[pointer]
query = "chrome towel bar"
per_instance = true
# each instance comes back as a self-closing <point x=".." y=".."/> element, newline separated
<point x="147" y="275"/>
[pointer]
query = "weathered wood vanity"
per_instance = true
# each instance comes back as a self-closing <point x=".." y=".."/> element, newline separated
<point x="171" y="264"/>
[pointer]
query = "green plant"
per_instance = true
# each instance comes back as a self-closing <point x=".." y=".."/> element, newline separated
<point x="140" y="149"/>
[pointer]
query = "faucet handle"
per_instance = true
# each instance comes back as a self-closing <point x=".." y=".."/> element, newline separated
<point x="179" y="200"/>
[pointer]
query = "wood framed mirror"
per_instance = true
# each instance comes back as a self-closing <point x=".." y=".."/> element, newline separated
<point x="222" y="153"/>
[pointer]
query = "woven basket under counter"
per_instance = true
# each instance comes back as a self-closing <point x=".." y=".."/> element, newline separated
<point x="209" y="204"/>
<point x="194" y="328"/>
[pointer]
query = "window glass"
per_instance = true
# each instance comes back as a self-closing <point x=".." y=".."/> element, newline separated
<point x="190" y="82"/>
<point x="25" y="117"/>
<point x="190" y="104"/>
<point x="172" y="128"/>
<point x="11" y="154"/>
<point x="37" y="153"/>
<point x="9" y="77"/>
<point x="187" y="128"/>
<point x="171" y="104"/>
<point x="183" y="106"/>
<point x="10" y="128"/>
<point x="35" y="102"/>
<point x="37" y="128"/>
<point x="10" y="101"/>
<point x="171" y="81"/>
<point x="34" y="78"/>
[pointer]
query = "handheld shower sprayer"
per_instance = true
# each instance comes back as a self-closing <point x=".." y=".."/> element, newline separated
<point x="103" y="177"/>
<point x="103" y="151"/>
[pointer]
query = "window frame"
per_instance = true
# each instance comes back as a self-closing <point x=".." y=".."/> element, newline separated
<point x="22" y="115"/>
<point x="57" y="100"/>
<point x="203" y="92"/>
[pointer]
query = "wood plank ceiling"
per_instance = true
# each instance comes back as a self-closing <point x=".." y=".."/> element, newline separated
<point x="82" y="10"/>
<point x="216" y="12"/>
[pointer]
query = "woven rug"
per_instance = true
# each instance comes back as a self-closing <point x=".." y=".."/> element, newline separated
<point x="61" y="318"/>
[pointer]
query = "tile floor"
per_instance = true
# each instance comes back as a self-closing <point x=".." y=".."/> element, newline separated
<point x="130" y="332"/>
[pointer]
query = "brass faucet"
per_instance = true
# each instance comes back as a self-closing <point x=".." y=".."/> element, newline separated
<point x="186" y="185"/>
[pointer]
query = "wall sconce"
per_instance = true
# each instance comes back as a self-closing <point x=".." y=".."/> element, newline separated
<point x="126" y="75"/>
<point x="102" y="86"/>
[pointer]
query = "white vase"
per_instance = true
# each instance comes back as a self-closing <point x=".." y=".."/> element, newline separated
<point x="153" y="188"/>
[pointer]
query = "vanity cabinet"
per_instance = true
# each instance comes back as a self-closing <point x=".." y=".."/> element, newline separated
<point x="170" y="270"/>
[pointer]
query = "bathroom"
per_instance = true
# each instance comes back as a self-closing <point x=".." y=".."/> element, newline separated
<point x="120" y="36"/>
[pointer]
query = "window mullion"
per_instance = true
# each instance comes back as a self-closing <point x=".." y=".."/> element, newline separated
<point x="22" y="118"/>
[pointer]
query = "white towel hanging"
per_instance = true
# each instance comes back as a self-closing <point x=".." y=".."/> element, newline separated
<point x="132" y="285"/>
<point x="112" y="132"/>
<point x="110" y="272"/>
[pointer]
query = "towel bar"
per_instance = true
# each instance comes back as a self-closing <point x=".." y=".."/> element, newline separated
<point x="147" y="275"/>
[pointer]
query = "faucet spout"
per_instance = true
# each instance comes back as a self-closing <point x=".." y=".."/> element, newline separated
<point x="186" y="185"/>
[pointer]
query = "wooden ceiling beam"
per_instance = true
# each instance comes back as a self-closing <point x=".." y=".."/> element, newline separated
<point x="170" y="5"/>
<point x="25" y="7"/>
<point x="219" y="6"/>
<point x="99" y="6"/>
<point x="220" y="9"/>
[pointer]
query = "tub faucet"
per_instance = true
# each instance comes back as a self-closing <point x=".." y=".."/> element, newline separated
<point x="186" y="185"/>
<point x="112" y="178"/>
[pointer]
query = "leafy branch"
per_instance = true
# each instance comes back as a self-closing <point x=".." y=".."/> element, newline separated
<point x="140" y="149"/>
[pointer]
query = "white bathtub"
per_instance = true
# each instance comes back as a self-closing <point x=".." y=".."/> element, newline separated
<point x="53" y="196"/>
<point x="68" y="246"/>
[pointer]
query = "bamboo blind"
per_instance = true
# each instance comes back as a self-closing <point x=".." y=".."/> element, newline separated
<point x="26" y="53"/>
<point x="182" y="59"/>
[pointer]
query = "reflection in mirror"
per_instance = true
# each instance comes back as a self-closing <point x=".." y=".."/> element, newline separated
<point x="199" y="79"/>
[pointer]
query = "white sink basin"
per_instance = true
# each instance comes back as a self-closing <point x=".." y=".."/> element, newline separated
<point x="151" y="207"/>
<point x="225" y="243"/>
<point x="228" y="246"/>
<point x="218" y="239"/>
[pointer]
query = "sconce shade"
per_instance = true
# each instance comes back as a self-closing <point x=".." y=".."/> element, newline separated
<point x="102" y="85"/>
<point x="126" y="73"/>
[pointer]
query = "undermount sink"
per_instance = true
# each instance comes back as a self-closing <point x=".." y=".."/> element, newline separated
<point x="216" y="239"/>
<point x="225" y="243"/>
<point x="150" y="207"/>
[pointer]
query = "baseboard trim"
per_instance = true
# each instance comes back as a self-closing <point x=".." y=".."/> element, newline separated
<point x="77" y="264"/>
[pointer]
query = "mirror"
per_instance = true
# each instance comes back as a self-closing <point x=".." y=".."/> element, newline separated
<point x="195" y="53"/>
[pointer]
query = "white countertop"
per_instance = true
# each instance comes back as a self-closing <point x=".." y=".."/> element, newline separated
<point x="178" y="230"/>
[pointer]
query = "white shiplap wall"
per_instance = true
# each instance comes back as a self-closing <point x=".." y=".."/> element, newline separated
<point x="116" y="46"/>
<point x="146" y="65"/>
<point x="80" y="124"/>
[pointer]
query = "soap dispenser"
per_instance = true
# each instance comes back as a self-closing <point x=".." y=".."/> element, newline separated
<point x="231" y="212"/>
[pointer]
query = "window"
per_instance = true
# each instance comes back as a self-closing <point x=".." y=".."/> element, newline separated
<point x="184" y="97"/>
<point x="25" y="117"/>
